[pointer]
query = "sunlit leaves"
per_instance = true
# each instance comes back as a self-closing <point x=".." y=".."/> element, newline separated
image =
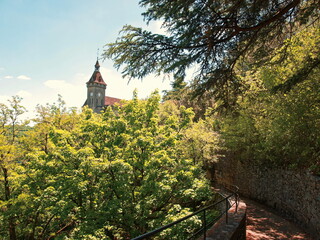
<point x="277" y="119"/>
<point x="112" y="175"/>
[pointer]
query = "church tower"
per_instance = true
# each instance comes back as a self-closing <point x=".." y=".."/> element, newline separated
<point x="96" y="90"/>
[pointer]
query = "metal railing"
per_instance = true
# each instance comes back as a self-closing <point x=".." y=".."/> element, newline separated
<point x="229" y="201"/>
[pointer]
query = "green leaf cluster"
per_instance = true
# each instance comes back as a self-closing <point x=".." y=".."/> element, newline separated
<point x="277" y="119"/>
<point x="113" y="175"/>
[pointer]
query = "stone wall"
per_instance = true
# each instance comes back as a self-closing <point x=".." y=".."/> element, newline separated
<point x="294" y="194"/>
<point x="234" y="229"/>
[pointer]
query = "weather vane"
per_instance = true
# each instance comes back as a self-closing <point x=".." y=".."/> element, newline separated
<point x="98" y="54"/>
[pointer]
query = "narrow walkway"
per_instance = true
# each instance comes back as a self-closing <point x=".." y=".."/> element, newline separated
<point x="264" y="223"/>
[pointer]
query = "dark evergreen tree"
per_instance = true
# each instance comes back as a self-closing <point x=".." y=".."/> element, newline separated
<point x="213" y="35"/>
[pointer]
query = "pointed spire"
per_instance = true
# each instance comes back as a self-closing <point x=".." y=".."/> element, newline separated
<point x="97" y="66"/>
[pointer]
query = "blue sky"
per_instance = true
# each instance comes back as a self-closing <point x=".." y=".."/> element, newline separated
<point x="49" y="47"/>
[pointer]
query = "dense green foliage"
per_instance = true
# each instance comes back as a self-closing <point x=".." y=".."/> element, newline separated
<point x="210" y="36"/>
<point x="273" y="125"/>
<point x="182" y="94"/>
<point x="114" y="175"/>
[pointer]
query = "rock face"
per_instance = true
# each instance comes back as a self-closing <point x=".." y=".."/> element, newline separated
<point x="293" y="193"/>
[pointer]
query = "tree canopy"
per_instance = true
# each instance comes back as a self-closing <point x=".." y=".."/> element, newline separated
<point x="113" y="175"/>
<point x="211" y="35"/>
<point x="281" y="129"/>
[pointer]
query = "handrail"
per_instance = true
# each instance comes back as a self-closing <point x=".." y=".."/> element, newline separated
<point x="203" y="211"/>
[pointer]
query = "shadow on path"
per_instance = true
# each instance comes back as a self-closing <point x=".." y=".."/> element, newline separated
<point x="264" y="223"/>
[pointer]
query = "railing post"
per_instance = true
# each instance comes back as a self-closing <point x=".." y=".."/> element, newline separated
<point x="204" y="225"/>
<point x="237" y="201"/>
<point x="226" y="210"/>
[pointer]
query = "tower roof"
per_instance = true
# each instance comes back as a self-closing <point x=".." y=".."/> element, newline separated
<point x="96" y="76"/>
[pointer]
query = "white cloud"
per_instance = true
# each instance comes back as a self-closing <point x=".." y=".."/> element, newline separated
<point x="80" y="79"/>
<point x="73" y="93"/>
<point x="153" y="26"/>
<point x="27" y="101"/>
<point x="4" y="99"/>
<point x="23" y="77"/>
<point x="80" y="75"/>
<point x="8" y="77"/>
<point x="58" y="84"/>
<point x="121" y="88"/>
<point x="156" y="27"/>
<point x="24" y="94"/>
